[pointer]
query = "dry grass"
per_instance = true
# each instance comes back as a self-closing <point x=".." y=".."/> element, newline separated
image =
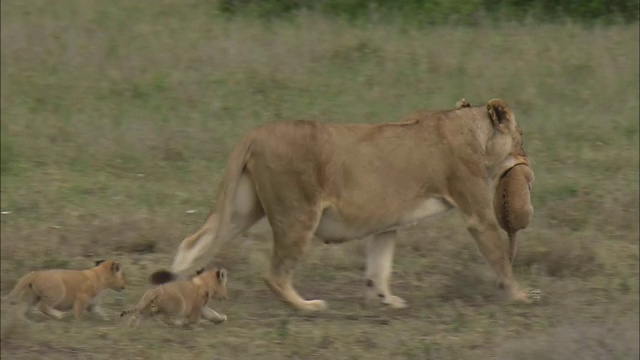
<point x="117" y="119"/>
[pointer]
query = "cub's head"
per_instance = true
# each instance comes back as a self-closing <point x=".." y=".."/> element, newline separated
<point x="216" y="280"/>
<point x="112" y="272"/>
<point x="505" y="146"/>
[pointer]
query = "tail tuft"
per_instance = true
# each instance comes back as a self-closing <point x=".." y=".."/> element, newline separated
<point x="162" y="276"/>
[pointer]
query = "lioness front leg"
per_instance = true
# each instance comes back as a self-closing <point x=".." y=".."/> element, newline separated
<point x="380" y="249"/>
<point x="484" y="229"/>
<point x="474" y="199"/>
<point x="213" y="316"/>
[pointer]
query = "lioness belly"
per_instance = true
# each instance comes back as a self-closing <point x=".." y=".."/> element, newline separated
<point x="332" y="228"/>
<point x="424" y="209"/>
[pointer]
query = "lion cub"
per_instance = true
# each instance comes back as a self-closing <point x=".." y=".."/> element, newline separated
<point x="183" y="302"/>
<point x="512" y="203"/>
<point x="56" y="290"/>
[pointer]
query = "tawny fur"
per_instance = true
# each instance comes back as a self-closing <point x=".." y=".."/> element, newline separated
<point x="340" y="182"/>
<point x="512" y="199"/>
<point x="182" y="302"/>
<point x="55" y="291"/>
<point x="462" y="103"/>
<point x="512" y="203"/>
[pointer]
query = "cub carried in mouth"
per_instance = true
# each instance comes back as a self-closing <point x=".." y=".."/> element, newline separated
<point x="57" y="290"/>
<point x="183" y="302"/>
<point x="512" y="203"/>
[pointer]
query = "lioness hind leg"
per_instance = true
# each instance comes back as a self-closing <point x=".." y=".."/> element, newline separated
<point x="380" y="250"/>
<point x="291" y="240"/>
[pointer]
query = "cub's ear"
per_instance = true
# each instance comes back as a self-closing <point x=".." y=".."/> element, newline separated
<point x="98" y="262"/>
<point x="200" y="271"/>
<point x="115" y="267"/>
<point x="499" y="113"/>
<point x="221" y="274"/>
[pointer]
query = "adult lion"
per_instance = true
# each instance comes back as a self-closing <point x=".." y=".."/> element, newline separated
<point x="343" y="182"/>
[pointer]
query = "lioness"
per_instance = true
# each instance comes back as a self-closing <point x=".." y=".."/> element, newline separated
<point x="343" y="182"/>
<point x="183" y="300"/>
<point x="55" y="291"/>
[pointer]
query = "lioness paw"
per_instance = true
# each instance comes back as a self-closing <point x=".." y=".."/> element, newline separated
<point x="314" y="305"/>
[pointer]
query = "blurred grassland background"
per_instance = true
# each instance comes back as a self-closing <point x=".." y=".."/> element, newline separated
<point x="118" y="117"/>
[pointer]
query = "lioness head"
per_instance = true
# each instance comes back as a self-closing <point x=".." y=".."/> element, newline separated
<point x="113" y="274"/>
<point x="507" y="138"/>
<point x="216" y="280"/>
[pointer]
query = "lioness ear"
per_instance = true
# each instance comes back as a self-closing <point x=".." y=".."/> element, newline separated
<point x="499" y="112"/>
<point x="221" y="274"/>
<point x="200" y="271"/>
<point x="98" y="262"/>
<point x="115" y="267"/>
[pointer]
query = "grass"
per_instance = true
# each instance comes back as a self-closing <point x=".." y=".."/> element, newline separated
<point x="117" y="120"/>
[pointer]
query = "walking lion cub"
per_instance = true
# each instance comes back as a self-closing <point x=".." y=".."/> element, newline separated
<point x="55" y="291"/>
<point x="184" y="302"/>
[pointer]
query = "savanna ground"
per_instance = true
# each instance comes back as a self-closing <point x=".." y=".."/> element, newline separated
<point x="118" y="117"/>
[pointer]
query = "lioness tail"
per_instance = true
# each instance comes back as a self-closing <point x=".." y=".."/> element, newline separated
<point x="237" y="162"/>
